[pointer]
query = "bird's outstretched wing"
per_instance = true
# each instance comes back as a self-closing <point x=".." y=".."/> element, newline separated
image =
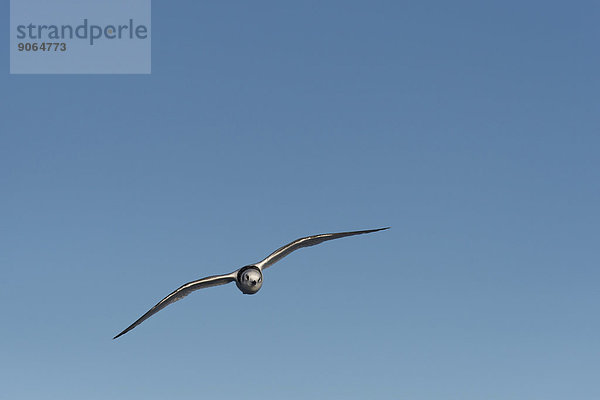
<point x="305" y="242"/>
<point x="181" y="293"/>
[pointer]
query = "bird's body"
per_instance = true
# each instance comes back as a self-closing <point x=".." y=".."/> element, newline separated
<point x="248" y="279"/>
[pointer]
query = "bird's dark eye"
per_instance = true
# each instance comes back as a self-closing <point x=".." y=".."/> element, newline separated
<point x="247" y="278"/>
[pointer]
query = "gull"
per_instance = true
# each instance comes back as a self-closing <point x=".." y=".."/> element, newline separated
<point x="248" y="279"/>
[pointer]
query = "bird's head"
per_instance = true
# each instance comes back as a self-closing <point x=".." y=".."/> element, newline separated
<point x="249" y="280"/>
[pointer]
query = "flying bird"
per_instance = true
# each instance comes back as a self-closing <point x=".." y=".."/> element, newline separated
<point x="248" y="279"/>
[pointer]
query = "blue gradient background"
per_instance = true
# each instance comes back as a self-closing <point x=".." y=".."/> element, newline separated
<point x="472" y="129"/>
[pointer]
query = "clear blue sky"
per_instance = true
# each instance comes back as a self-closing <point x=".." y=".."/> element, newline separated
<point x="472" y="128"/>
